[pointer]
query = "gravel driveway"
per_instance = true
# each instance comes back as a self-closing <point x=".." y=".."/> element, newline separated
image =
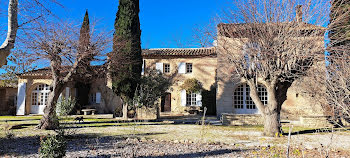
<point x="115" y="147"/>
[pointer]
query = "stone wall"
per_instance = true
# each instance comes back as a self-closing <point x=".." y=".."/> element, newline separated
<point x="109" y="100"/>
<point x="241" y="119"/>
<point x="305" y="121"/>
<point x="146" y="113"/>
<point x="299" y="102"/>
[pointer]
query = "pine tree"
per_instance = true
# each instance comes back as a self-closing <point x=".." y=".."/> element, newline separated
<point x="126" y="57"/>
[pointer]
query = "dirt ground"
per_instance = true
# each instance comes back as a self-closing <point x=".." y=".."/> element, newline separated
<point x="111" y="138"/>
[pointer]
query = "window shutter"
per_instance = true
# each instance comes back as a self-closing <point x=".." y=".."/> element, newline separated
<point x="98" y="97"/>
<point x="183" y="97"/>
<point x="21" y="99"/>
<point x="67" y="93"/>
<point x="159" y="67"/>
<point x="143" y="67"/>
<point x="182" y="68"/>
<point x="199" y="99"/>
<point x="59" y="98"/>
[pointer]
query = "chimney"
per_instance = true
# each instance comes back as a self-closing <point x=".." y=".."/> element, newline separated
<point x="299" y="13"/>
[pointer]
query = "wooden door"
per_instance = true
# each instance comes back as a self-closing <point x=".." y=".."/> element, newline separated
<point x="166" y="103"/>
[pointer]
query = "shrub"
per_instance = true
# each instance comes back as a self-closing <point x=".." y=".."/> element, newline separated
<point x="53" y="146"/>
<point x="8" y="133"/>
<point x="65" y="106"/>
<point x="191" y="85"/>
<point x="152" y="87"/>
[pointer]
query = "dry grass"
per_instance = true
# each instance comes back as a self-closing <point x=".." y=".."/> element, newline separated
<point x="165" y="131"/>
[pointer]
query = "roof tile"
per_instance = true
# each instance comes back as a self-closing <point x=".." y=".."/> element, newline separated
<point x="179" y="52"/>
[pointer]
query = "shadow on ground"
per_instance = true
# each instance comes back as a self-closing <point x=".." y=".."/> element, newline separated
<point x="29" y="145"/>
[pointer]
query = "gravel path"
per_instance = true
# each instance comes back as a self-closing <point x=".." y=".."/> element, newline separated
<point x="106" y="147"/>
<point x="114" y="147"/>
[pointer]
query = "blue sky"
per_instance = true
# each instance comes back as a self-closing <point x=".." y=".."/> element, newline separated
<point x="162" y="21"/>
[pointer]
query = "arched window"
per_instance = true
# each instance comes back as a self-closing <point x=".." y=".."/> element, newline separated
<point x="40" y="94"/>
<point x="242" y="101"/>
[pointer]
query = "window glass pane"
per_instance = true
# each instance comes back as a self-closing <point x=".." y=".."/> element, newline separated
<point x="166" y="68"/>
<point x="40" y="94"/>
<point x="188" y="67"/>
<point x="191" y="99"/>
<point x="242" y="99"/>
<point x="238" y="97"/>
<point x="249" y="102"/>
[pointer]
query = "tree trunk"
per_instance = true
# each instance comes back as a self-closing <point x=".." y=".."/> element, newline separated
<point x="9" y="42"/>
<point x="50" y="120"/>
<point x="125" y="110"/>
<point x="158" y="111"/>
<point x="272" y="112"/>
<point x="277" y="94"/>
<point x="272" y="125"/>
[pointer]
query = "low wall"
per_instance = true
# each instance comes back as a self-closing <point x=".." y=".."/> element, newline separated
<point x="242" y="119"/>
<point x="146" y="113"/>
<point x="320" y="121"/>
<point x="256" y="119"/>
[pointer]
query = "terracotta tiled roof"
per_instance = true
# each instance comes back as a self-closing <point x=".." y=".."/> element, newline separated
<point x="179" y="52"/>
<point x="39" y="72"/>
<point x="229" y="29"/>
<point x="47" y="71"/>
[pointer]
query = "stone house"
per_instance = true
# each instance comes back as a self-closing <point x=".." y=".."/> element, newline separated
<point x="177" y="64"/>
<point x="233" y="102"/>
<point x="230" y="100"/>
<point x="180" y="64"/>
<point x="33" y="90"/>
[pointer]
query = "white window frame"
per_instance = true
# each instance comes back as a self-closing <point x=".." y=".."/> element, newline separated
<point x="191" y="99"/>
<point x="242" y="102"/>
<point x="40" y="95"/>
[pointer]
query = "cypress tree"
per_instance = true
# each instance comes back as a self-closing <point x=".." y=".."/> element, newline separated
<point x="126" y="59"/>
<point x="84" y="39"/>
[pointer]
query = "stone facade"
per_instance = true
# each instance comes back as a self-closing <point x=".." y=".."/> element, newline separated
<point x="100" y="97"/>
<point x="299" y="103"/>
<point x="203" y="69"/>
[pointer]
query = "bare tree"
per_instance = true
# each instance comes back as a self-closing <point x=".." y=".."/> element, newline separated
<point x="31" y="10"/>
<point x="272" y="43"/>
<point x="69" y="54"/>
<point x="9" y="42"/>
<point x="331" y="85"/>
<point x="21" y="62"/>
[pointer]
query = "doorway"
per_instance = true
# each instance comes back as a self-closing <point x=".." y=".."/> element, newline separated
<point x="166" y="103"/>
